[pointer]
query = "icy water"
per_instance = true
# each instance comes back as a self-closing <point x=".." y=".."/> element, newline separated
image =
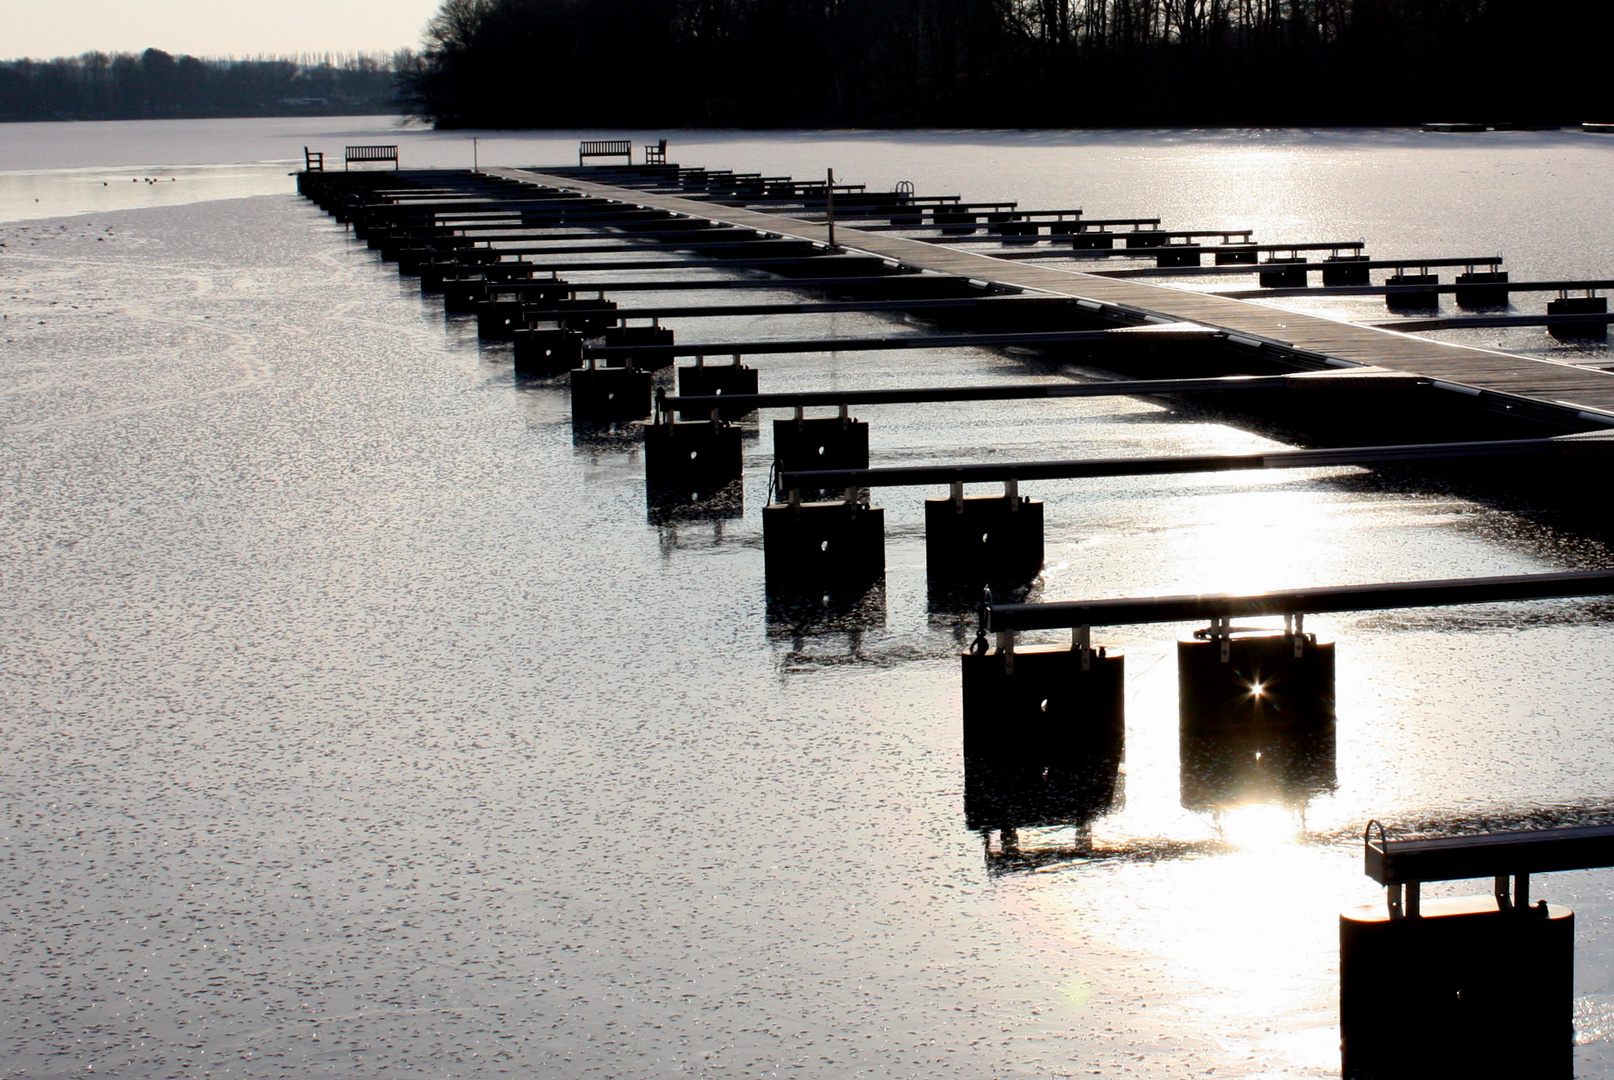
<point x="360" y="723"/>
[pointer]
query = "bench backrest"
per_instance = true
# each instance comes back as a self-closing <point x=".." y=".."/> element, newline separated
<point x="604" y="148"/>
<point x="372" y="153"/>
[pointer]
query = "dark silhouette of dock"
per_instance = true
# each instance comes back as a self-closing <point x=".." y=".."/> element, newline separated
<point x="1575" y="395"/>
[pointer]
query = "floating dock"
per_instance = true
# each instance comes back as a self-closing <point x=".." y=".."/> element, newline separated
<point x="1572" y="396"/>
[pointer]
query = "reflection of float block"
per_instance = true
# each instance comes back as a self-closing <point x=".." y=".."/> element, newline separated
<point x="610" y="393"/>
<point x="1341" y="272"/>
<point x="690" y="462"/>
<point x="1268" y="764"/>
<point x="809" y="549"/>
<point x="1482" y="290"/>
<point x="1492" y="991"/>
<point x="1282" y="279"/>
<point x="1412" y="301"/>
<point x="540" y="354"/>
<point x="1262" y="684"/>
<point x="1237" y="258"/>
<point x="983" y="540"/>
<point x="712" y="380"/>
<point x="822" y="442"/>
<point x="1042" y="737"/>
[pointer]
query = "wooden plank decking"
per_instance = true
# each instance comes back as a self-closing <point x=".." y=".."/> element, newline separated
<point x="1544" y="381"/>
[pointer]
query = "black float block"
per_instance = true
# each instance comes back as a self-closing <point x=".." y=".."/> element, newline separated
<point x="1283" y="279"/>
<point x="1268" y="682"/>
<point x="714" y="380"/>
<point x="691" y="462"/>
<point x="820" y="442"/>
<point x="1258" y="726"/>
<point x="1168" y="257"/>
<point x="1463" y="989"/>
<point x="497" y="320"/>
<point x="1238" y="258"/>
<point x="1482" y="290"/>
<point x="818" y="549"/>
<point x="645" y="336"/>
<point x="540" y="354"/>
<point x="1341" y="272"/>
<point x="463" y="294"/>
<point x="1092" y="241"/>
<point x="652" y="344"/>
<point x="586" y="316"/>
<point x="601" y="394"/>
<point x="1147" y="238"/>
<point x="1043" y="737"/>
<point x="994" y="541"/>
<point x="1413" y="301"/>
<point x="1578" y="305"/>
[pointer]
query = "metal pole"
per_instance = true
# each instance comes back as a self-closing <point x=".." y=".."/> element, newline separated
<point x="830" y="193"/>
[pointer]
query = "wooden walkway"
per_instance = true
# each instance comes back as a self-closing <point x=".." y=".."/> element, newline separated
<point x="1586" y="391"/>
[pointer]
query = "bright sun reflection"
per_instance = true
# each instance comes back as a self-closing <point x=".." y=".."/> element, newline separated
<point x="1258" y="826"/>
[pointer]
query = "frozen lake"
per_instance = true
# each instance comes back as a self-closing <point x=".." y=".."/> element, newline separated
<point x="359" y="723"/>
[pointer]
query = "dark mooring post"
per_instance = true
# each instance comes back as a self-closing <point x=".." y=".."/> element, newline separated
<point x="1483" y="985"/>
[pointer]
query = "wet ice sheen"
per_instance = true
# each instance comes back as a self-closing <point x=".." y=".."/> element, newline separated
<point x="359" y="724"/>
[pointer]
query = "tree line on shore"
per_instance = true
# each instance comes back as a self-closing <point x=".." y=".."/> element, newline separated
<point x="1007" y="63"/>
<point x="156" y="85"/>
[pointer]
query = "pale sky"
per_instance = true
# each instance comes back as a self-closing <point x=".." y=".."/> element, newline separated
<point x="45" y="28"/>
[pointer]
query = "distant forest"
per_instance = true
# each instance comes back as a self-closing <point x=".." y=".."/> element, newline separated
<point x="1010" y="63"/>
<point x="155" y="85"/>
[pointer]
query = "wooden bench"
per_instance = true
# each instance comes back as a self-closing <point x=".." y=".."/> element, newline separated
<point x="605" y="148"/>
<point x="370" y="153"/>
<point x="313" y="160"/>
<point x="657" y="154"/>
